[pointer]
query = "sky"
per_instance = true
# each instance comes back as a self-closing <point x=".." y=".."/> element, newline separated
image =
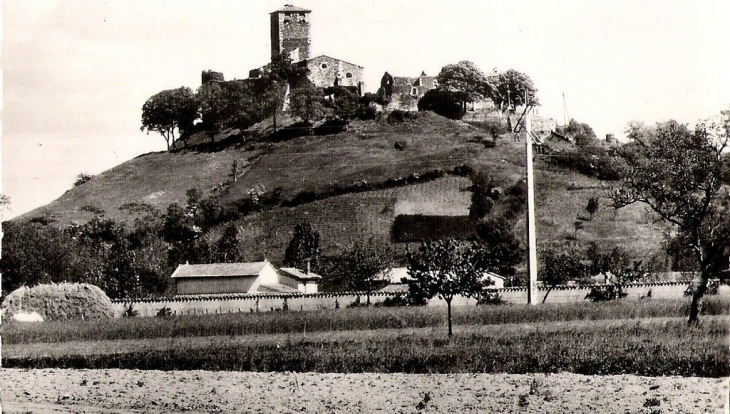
<point x="77" y="72"/>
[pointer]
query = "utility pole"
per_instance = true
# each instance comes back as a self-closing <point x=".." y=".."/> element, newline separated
<point x="531" y="240"/>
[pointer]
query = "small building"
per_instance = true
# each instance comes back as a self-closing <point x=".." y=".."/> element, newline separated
<point x="304" y="282"/>
<point x="250" y="277"/>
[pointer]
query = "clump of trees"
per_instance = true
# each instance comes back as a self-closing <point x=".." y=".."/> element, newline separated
<point x="169" y="111"/>
<point x="469" y="84"/>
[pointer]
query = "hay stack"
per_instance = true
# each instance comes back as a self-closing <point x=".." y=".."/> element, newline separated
<point x="60" y="301"/>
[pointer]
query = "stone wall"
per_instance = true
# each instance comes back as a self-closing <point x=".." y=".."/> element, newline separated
<point x="324" y="70"/>
<point x="318" y="301"/>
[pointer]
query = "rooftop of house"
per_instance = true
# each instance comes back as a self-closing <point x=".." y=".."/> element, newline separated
<point x="291" y="8"/>
<point x="219" y="269"/>
<point x="298" y="274"/>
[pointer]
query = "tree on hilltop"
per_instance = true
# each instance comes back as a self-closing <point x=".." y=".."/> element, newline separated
<point x="508" y="91"/>
<point x="677" y="173"/>
<point x="170" y="110"/>
<point x="464" y="77"/>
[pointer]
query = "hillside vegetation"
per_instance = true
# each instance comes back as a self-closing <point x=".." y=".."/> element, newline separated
<point x="364" y="153"/>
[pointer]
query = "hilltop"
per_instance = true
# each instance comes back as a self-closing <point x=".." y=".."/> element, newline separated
<point x="368" y="153"/>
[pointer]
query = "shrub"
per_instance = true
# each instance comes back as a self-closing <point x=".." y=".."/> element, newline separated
<point x="398" y="116"/>
<point x="164" y="312"/>
<point x="605" y="293"/>
<point x="417" y="227"/>
<point x="442" y="102"/>
<point x="130" y="312"/>
<point x="92" y="209"/>
<point x="82" y="178"/>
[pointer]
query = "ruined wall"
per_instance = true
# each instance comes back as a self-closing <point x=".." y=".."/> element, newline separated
<point x="324" y="70"/>
<point x="211" y="76"/>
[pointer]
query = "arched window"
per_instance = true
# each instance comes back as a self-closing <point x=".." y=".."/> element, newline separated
<point x="348" y="75"/>
<point x="323" y="65"/>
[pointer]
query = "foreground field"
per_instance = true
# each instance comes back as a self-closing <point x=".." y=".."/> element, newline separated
<point x="129" y="391"/>
<point x="651" y="346"/>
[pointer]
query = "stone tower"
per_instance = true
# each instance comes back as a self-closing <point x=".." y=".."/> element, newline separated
<point x="290" y="32"/>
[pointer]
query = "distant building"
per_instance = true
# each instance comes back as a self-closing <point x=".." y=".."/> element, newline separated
<point x="397" y="275"/>
<point x="249" y="277"/>
<point x="290" y="36"/>
<point x="304" y="282"/>
<point x="404" y="92"/>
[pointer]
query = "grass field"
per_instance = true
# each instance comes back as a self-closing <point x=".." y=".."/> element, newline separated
<point x="644" y="338"/>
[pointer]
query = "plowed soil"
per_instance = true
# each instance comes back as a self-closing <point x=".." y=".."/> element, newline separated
<point x="133" y="391"/>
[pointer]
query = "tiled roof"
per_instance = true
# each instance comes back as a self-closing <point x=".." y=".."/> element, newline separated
<point x="395" y="275"/>
<point x="298" y="274"/>
<point x="290" y="8"/>
<point x="219" y="269"/>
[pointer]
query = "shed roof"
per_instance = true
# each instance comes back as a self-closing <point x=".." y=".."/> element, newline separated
<point x="220" y="269"/>
<point x="298" y="274"/>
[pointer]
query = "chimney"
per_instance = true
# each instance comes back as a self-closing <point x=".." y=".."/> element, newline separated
<point x="308" y="260"/>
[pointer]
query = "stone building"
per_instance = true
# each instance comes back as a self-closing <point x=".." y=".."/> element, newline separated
<point x="290" y="35"/>
<point x="290" y="32"/>
<point x="404" y="92"/>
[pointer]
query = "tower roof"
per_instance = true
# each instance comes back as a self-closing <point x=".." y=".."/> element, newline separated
<point x="291" y="8"/>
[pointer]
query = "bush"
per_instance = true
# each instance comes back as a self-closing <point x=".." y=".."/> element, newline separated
<point x="82" y="178"/>
<point x="92" y="209"/>
<point x="130" y="312"/>
<point x="417" y="227"/>
<point x="393" y="301"/>
<point x="605" y="293"/>
<point x="164" y="312"/>
<point x="398" y="116"/>
<point x="442" y="102"/>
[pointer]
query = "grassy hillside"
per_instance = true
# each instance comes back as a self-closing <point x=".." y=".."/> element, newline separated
<point x="367" y="151"/>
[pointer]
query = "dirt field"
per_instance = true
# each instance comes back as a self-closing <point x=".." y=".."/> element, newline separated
<point x="121" y="391"/>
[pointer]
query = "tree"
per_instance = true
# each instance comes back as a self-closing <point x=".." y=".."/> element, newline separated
<point x="170" y="110"/>
<point x="618" y="266"/>
<point x="464" y="77"/>
<point x="446" y="268"/>
<point x="303" y="248"/>
<point x="344" y="102"/>
<point x="228" y="248"/>
<point x="307" y="102"/>
<point x="677" y="173"/>
<point x="364" y="266"/>
<point x="483" y="195"/>
<point x="592" y="206"/>
<point x="443" y="102"/>
<point x="500" y="251"/>
<point x="509" y="90"/>
<point x="560" y="267"/>
<point x="582" y="133"/>
<point x="280" y="74"/>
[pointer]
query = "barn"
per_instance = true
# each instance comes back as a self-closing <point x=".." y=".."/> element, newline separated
<point x="249" y="277"/>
